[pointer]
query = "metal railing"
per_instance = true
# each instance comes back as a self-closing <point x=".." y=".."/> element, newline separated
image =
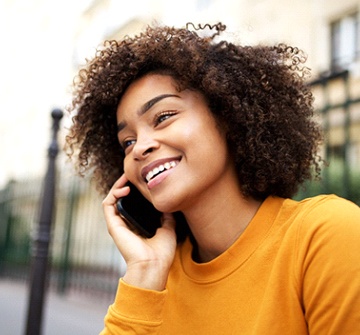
<point x="83" y="257"/>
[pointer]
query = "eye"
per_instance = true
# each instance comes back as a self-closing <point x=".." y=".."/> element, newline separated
<point x="127" y="143"/>
<point x="162" y="116"/>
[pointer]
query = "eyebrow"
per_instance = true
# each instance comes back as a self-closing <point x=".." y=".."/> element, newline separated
<point x="146" y="106"/>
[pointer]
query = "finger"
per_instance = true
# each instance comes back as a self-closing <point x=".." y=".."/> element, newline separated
<point x="121" y="181"/>
<point x="109" y="203"/>
<point x="118" y="190"/>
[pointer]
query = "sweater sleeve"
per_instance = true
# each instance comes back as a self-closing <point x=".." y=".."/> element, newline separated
<point x="134" y="311"/>
<point x="331" y="268"/>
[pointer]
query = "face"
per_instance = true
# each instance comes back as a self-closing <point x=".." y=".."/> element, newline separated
<point x="175" y="152"/>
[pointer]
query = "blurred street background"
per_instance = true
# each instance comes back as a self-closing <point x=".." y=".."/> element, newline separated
<point x="63" y="314"/>
<point x="45" y="42"/>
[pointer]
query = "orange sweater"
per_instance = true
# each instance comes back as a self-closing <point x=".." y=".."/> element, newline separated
<point x="295" y="270"/>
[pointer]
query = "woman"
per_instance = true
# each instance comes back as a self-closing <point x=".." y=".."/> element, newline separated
<point x="224" y="134"/>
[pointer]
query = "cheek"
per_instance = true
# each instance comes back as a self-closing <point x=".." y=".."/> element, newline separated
<point x="191" y="133"/>
<point x="209" y="137"/>
<point x="129" y="169"/>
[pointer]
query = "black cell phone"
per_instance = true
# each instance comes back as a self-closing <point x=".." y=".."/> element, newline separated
<point x="139" y="213"/>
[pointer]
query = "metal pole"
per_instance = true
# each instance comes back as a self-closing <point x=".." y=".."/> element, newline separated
<point x="64" y="268"/>
<point x="347" y="140"/>
<point x="43" y="235"/>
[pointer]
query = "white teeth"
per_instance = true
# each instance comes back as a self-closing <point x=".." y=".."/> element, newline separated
<point x="160" y="168"/>
<point x="149" y="175"/>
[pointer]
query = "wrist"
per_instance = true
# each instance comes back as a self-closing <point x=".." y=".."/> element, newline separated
<point x="148" y="276"/>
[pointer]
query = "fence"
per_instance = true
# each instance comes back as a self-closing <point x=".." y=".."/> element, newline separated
<point x="83" y="257"/>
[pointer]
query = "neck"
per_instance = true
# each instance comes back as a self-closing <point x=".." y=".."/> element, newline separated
<point x="218" y="221"/>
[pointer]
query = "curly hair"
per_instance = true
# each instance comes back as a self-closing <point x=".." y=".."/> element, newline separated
<point x="259" y="93"/>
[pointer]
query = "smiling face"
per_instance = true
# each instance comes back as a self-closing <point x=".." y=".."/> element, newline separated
<point x="175" y="152"/>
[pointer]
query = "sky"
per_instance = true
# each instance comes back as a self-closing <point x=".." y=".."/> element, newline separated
<point x="36" y="76"/>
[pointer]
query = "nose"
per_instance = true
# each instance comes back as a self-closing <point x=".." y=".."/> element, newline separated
<point x="144" y="145"/>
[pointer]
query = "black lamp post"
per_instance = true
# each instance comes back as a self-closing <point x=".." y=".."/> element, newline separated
<point x="42" y="237"/>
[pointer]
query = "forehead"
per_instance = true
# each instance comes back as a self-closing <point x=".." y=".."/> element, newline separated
<point x="145" y="89"/>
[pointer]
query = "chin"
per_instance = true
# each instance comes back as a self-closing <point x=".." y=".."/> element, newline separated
<point x="166" y="205"/>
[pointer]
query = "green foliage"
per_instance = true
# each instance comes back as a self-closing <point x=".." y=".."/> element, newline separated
<point x="337" y="179"/>
<point x="17" y="244"/>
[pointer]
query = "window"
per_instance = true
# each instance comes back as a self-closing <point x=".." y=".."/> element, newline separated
<point x="345" y="41"/>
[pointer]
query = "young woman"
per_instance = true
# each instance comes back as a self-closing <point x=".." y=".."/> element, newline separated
<point x="224" y="134"/>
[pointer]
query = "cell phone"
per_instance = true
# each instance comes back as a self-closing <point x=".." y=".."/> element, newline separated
<point x="139" y="213"/>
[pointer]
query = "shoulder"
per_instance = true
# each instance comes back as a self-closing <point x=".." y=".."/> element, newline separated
<point x="326" y="200"/>
<point x="320" y="211"/>
<point x="328" y="257"/>
<point x="328" y="223"/>
<point x="326" y="208"/>
<point x="330" y="210"/>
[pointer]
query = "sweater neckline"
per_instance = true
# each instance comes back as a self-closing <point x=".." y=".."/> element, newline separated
<point x="239" y="252"/>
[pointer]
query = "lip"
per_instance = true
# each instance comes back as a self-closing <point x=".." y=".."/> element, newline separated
<point x="156" y="163"/>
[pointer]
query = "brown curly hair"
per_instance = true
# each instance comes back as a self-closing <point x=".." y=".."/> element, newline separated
<point x="259" y="93"/>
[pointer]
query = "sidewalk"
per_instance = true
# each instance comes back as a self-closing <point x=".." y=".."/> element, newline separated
<point x="62" y="315"/>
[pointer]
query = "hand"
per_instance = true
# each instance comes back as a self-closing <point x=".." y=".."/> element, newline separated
<point x="148" y="260"/>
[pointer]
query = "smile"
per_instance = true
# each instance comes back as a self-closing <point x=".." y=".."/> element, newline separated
<point x="158" y="169"/>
